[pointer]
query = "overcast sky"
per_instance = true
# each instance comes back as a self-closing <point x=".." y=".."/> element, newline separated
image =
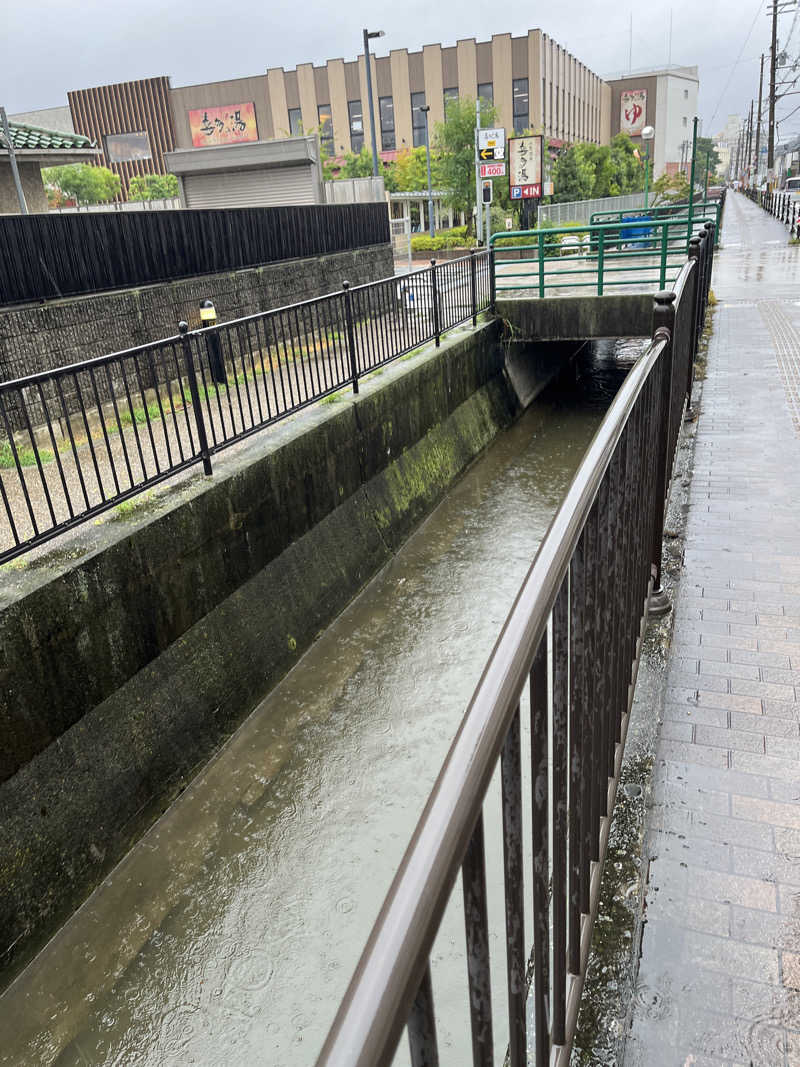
<point x="54" y="47"/>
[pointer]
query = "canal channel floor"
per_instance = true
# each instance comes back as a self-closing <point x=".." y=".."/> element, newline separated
<point x="719" y="974"/>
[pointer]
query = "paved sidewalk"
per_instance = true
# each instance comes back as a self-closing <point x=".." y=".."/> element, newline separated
<point x="719" y="981"/>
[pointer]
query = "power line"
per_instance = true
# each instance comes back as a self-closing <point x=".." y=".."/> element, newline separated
<point x="735" y="65"/>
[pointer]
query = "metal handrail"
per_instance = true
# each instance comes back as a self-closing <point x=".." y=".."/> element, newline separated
<point x="615" y="504"/>
<point x="79" y="439"/>
<point x="379" y="999"/>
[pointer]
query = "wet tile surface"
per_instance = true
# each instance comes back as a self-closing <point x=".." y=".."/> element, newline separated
<point x="719" y="980"/>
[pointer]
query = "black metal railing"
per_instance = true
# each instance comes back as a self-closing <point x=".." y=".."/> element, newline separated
<point x="83" y="438"/>
<point x="784" y="207"/>
<point x="48" y="256"/>
<point x="567" y="657"/>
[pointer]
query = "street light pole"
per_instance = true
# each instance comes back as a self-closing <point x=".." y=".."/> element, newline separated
<point x="425" y="109"/>
<point x="367" y="38"/>
<point x="648" y="133"/>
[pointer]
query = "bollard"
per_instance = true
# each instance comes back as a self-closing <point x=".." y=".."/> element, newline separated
<point x="664" y="329"/>
<point x="202" y="439"/>
<point x="351" y="339"/>
<point x="208" y="317"/>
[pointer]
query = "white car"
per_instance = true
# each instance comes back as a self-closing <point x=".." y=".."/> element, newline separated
<point x="792" y="187"/>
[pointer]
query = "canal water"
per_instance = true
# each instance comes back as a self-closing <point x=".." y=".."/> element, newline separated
<point x="229" y="933"/>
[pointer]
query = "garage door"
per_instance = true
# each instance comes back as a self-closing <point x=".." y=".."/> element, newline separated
<point x="251" y="188"/>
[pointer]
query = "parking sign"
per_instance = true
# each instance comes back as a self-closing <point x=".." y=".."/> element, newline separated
<point x="525" y="167"/>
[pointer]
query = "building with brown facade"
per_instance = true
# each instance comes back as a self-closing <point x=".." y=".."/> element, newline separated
<point x="533" y="82"/>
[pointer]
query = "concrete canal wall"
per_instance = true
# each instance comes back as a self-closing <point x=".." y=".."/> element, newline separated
<point x="128" y="658"/>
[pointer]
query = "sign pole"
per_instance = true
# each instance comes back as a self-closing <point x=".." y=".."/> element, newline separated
<point x="478" y="206"/>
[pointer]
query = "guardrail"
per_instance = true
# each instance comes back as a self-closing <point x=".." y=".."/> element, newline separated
<point x="701" y="211"/>
<point x="782" y="206"/>
<point x="598" y="257"/>
<point x="84" y="438"/>
<point x="568" y="654"/>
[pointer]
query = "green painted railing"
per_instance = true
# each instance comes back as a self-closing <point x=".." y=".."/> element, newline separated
<point x="702" y="210"/>
<point x="599" y="256"/>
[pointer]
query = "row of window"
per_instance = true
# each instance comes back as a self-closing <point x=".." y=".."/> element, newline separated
<point x="521" y="113"/>
<point x="568" y="112"/>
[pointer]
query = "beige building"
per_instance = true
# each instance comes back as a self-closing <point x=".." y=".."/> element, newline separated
<point x="533" y="82"/>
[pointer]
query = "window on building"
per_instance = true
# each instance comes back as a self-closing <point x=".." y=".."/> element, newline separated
<point x="295" y="122"/>
<point x="685" y="94"/>
<point x="521" y="110"/>
<point x="685" y="121"/>
<point x="486" y="92"/>
<point x="449" y="94"/>
<point x="386" y="110"/>
<point x="356" y="125"/>
<point x="325" y="128"/>
<point x="418" y="118"/>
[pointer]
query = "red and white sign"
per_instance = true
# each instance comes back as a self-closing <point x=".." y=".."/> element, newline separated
<point x="493" y="170"/>
<point x="525" y="167"/>
<point x="633" y="111"/>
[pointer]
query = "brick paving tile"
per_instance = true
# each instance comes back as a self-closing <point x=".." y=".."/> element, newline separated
<point x="719" y="978"/>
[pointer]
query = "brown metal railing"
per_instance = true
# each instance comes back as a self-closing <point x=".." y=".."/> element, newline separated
<point x="567" y="656"/>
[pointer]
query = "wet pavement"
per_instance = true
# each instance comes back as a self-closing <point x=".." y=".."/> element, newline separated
<point x="229" y="933"/>
<point x="719" y="979"/>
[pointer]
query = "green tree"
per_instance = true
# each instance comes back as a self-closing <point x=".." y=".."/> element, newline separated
<point x="84" y="184"/>
<point x="627" y="170"/>
<point x="410" y="170"/>
<point x="359" y="166"/>
<point x="574" y="174"/>
<point x="671" y="189"/>
<point x="454" y="141"/>
<point x="153" y="187"/>
<point x="706" y="147"/>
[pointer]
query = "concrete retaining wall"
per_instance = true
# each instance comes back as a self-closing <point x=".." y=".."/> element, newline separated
<point x="62" y="332"/>
<point x="125" y="669"/>
<point x="564" y="318"/>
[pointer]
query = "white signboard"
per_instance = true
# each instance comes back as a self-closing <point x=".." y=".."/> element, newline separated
<point x="491" y="144"/>
<point x="633" y="111"/>
<point x="525" y="167"/>
<point x="493" y="170"/>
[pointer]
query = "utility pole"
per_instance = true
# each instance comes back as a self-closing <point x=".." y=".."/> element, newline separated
<point x="773" y="60"/>
<point x="12" y="159"/>
<point x="749" y="143"/>
<point x="758" y="123"/>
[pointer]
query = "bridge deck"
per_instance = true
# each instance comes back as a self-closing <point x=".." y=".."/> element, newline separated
<point x="720" y="968"/>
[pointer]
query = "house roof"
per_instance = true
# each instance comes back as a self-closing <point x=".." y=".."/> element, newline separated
<point x="37" y="139"/>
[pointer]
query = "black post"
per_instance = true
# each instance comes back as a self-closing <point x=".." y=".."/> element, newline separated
<point x="664" y="330"/>
<point x="435" y="298"/>
<point x="473" y="281"/>
<point x="492" y="281"/>
<point x="202" y="439"/>
<point x="695" y="252"/>
<point x="351" y="340"/>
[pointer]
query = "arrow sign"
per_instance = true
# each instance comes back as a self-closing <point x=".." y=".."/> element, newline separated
<point x="494" y="139"/>
<point x="486" y="153"/>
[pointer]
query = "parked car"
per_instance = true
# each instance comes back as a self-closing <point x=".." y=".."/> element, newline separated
<point x="792" y="187"/>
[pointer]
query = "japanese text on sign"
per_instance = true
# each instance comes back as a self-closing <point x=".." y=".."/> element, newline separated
<point x="525" y="167"/>
<point x="492" y="143"/>
<point x="632" y="111"/>
<point x="230" y="124"/>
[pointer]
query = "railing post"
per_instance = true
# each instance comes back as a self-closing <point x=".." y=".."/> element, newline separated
<point x="540" y="253"/>
<point x="351" y="338"/>
<point x="435" y="298"/>
<point x="600" y="260"/>
<point x="188" y="355"/>
<point x="695" y="252"/>
<point x="664" y="330"/>
<point x="473" y="283"/>
<point x="710" y="233"/>
<point x="492" y="280"/>
<point x="662" y="276"/>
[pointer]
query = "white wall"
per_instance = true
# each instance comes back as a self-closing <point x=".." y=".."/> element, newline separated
<point x="676" y="102"/>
